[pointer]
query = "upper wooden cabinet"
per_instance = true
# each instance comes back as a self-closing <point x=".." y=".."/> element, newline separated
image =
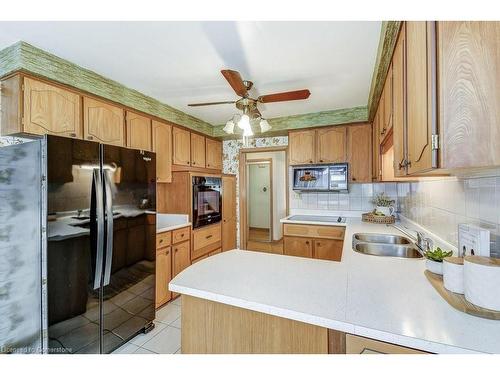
<point x="47" y="109"/>
<point x="103" y="122"/>
<point x="139" y="135"/>
<point x="376" y="147"/>
<point x="469" y="98"/>
<point x="386" y="105"/>
<point x="228" y="213"/>
<point x="302" y="147"/>
<point x="162" y="145"/>
<point x="359" y="152"/>
<point x="398" y="105"/>
<point x="197" y="150"/>
<point x="331" y="145"/>
<point x="181" y="140"/>
<point x="213" y="154"/>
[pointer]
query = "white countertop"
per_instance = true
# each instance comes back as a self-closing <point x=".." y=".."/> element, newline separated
<point x="383" y="298"/>
<point x="167" y="222"/>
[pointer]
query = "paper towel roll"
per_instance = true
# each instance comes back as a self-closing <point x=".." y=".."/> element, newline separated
<point x="481" y="281"/>
<point x="453" y="274"/>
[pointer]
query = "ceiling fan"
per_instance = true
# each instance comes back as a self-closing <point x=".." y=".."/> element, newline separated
<point x="249" y="105"/>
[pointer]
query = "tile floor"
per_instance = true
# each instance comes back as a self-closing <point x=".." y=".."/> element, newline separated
<point x="165" y="338"/>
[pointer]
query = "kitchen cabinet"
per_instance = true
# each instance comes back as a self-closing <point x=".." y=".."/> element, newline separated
<point x="213" y="154"/>
<point x="328" y="249"/>
<point x="385" y="122"/>
<point x="162" y="145"/>
<point x="331" y="145"/>
<point x="30" y="106"/>
<point x="181" y="140"/>
<point x="181" y="235"/>
<point x="302" y="147"/>
<point x="420" y="96"/>
<point x="359" y="152"/>
<point x="103" y="122"/>
<point x="298" y="246"/>
<point x="180" y="257"/>
<point x="139" y="135"/>
<point x="376" y="147"/>
<point x="197" y="150"/>
<point x="228" y="213"/>
<point x="469" y="97"/>
<point x="362" y="345"/>
<point x="398" y="107"/>
<point x="163" y="275"/>
<point x="206" y="239"/>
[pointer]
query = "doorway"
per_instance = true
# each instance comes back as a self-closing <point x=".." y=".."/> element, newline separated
<point x="259" y="201"/>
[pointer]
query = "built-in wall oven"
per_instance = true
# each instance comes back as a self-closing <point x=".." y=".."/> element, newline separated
<point x="207" y="200"/>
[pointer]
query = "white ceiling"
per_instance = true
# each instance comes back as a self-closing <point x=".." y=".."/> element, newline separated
<point x="179" y="62"/>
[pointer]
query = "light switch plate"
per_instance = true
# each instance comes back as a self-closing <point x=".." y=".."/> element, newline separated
<point x="474" y="239"/>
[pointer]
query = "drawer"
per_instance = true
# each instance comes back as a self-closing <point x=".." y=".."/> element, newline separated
<point x="317" y="231"/>
<point x="163" y="239"/>
<point x="180" y="235"/>
<point x="205" y="240"/>
<point x="215" y="252"/>
<point x="200" y="258"/>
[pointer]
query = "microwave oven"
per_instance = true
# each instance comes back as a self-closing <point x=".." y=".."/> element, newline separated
<point x="330" y="177"/>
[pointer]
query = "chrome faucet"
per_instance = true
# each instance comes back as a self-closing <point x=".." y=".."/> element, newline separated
<point x="423" y="243"/>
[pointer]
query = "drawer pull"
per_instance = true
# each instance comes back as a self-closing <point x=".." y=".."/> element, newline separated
<point x="182" y="235"/>
<point x="161" y="241"/>
<point x="73" y="135"/>
<point x="176" y="249"/>
<point x="90" y="138"/>
<point x="307" y="242"/>
<point x="209" y="236"/>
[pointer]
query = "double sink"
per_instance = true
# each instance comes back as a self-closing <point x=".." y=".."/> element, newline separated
<point x="388" y="245"/>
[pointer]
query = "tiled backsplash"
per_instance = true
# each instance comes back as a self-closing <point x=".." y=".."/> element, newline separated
<point x="358" y="198"/>
<point x="439" y="205"/>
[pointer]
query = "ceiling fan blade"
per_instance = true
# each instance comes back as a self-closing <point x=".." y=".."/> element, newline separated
<point x="236" y="82"/>
<point x="284" y="96"/>
<point x="211" y="103"/>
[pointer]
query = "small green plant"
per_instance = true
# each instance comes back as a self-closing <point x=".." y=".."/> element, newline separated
<point x="383" y="200"/>
<point x="437" y="255"/>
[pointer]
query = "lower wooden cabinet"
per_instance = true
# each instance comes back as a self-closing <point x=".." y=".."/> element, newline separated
<point x="206" y="240"/>
<point x="363" y="345"/>
<point x="298" y="246"/>
<point x="180" y="257"/>
<point x="313" y="241"/>
<point x="163" y="275"/>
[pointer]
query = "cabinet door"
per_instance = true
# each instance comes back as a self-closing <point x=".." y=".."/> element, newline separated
<point x="398" y="108"/>
<point x="362" y="345"/>
<point x="181" y="257"/>
<point x="51" y="110"/>
<point x="388" y="100"/>
<point x="331" y="145"/>
<point x="375" y="148"/>
<point x="181" y="140"/>
<point x="469" y="83"/>
<point x="328" y="249"/>
<point x="103" y="122"/>
<point x="228" y="213"/>
<point x="214" y="154"/>
<point x="298" y="246"/>
<point x="420" y="94"/>
<point x="197" y="150"/>
<point x="163" y="275"/>
<point x="162" y="145"/>
<point x="139" y="132"/>
<point x="359" y="152"/>
<point x="301" y="147"/>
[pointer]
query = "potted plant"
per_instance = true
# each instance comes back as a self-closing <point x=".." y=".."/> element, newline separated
<point x="434" y="260"/>
<point x="383" y="205"/>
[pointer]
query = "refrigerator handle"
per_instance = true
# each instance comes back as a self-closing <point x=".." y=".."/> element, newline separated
<point x="97" y="193"/>
<point x="109" y="228"/>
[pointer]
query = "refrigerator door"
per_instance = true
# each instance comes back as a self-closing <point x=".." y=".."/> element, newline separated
<point x="21" y="248"/>
<point x="74" y="245"/>
<point x="129" y="267"/>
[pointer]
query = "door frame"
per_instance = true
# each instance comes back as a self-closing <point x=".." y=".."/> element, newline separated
<point x="242" y="178"/>
<point x="269" y="162"/>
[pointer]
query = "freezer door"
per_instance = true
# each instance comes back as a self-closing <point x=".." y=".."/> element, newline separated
<point x="72" y="247"/>
<point x="129" y="269"/>
<point x="21" y="223"/>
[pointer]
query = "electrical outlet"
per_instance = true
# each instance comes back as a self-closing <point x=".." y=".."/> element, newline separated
<point x="473" y="240"/>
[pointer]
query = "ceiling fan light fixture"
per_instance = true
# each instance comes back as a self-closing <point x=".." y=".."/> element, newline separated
<point x="229" y="128"/>
<point x="244" y="122"/>
<point x="264" y="125"/>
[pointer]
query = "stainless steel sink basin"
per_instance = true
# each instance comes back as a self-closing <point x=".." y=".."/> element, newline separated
<point x="387" y="250"/>
<point x="381" y="238"/>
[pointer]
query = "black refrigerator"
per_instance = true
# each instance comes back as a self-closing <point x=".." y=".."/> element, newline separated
<point x="96" y="239"/>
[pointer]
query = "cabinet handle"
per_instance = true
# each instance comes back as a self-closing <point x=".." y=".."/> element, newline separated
<point x="321" y="161"/>
<point x="193" y="163"/>
<point x="310" y="161"/>
<point x="354" y="178"/>
<point x="307" y="242"/>
<point x="318" y="244"/>
<point x="168" y="252"/>
<point x="175" y="250"/>
<point x="73" y="135"/>
<point x="209" y="236"/>
<point x="90" y="138"/>
<point x="182" y="235"/>
<point x="161" y="241"/>
<point x="401" y="164"/>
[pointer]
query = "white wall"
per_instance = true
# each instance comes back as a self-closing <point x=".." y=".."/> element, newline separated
<point x="259" y="201"/>
<point x="279" y="186"/>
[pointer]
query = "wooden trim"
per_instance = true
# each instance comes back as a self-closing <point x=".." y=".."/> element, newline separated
<point x="263" y="149"/>
<point x="336" y="342"/>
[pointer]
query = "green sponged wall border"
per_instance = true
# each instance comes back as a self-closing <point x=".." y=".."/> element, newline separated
<point x="23" y="57"/>
<point x="27" y="58"/>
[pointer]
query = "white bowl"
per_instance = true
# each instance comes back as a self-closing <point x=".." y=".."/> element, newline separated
<point x="434" y="267"/>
